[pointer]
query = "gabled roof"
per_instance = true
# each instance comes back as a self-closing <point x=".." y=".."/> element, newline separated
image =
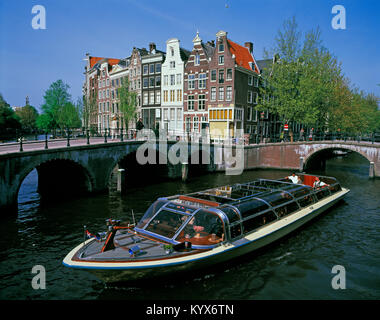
<point x="208" y="49"/>
<point x="264" y="64"/>
<point x="243" y="57"/>
<point x="95" y="60"/>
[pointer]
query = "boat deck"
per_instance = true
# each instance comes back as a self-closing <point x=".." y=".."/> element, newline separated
<point x="124" y="241"/>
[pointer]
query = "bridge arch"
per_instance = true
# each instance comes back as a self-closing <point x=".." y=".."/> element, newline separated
<point x="57" y="177"/>
<point x="322" y="152"/>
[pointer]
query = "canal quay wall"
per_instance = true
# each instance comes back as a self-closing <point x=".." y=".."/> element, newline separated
<point x="88" y="168"/>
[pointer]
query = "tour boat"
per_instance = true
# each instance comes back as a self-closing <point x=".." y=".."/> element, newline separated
<point x="201" y="229"/>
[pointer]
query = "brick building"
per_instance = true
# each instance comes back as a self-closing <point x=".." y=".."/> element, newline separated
<point x="98" y="86"/>
<point x="196" y="87"/>
<point x="234" y="87"/>
<point x="151" y="64"/>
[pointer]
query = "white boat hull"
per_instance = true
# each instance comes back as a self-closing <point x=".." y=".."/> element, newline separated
<point x="130" y="271"/>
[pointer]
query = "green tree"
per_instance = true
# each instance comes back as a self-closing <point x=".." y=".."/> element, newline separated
<point x="301" y="83"/>
<point x="9" y="121"/>
<point x="127" y="103"/>
<point x="55" y="98"/>
<point x="28" y="116"/>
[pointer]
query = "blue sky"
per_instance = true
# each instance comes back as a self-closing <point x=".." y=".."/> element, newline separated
<point x="30" y="60"/>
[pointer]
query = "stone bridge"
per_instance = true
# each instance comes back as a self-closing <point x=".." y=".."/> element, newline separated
<point x="85" y="168"/>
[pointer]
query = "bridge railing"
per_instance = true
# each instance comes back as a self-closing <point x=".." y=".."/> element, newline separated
<point x="80" y="137"/>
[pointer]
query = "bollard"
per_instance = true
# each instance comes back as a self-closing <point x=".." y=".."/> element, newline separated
<point x="185" y="171"/>
<point x="68" y="138"/>
<point x="371" y="169"/>
<point x="121" y="180"/>
<point x="105" y="135"/>
<point x="301" y="164"/>
<point x="21" y="148"/>
<point x="46" y="141"/>
<point x="88" y="137"/>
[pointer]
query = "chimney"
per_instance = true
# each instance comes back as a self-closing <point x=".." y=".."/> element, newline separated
<point x="249" y="45"/>
<point x="152" y="46"/>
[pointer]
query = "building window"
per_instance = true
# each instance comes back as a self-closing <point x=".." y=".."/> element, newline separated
<point x="202" y="81"/>
<point x="191" y="82"/>
<point x="172" y="64"/>
<point x="250" y="80"/>
<point x="197" y="59"/>
<point x="229" y="93"/>
<point x="151" y="82"/>
<point x="145" y="82"/>
<point x="151" y="97"/>
<point x="179" y="95"/>
<point x="158" y="81"/>
<point x="229" y="74"/>
<point x="255" y="97"/>
<point x="213" y="75"/>
<point x="158" y="97"/>
<point x="221" y="47"/>
<point x="165" y="95"/>
<point x="145" y="69"/>
<point x="179" y="78"/>
<point x="188" y="124"/>
<point x="221" y="94"/>
<point x="190" y="102"/>
<point x="221" y="59"/>
<point x="213" y="94"/>
<point x="158" y="67"/>
<point x="172" y="79"/>
<point x="256" y="82"/>
<point x="196" y="124"/>
<point x="108" y="93"/>
<point x="202" y="102"/>
<point x="172" y="96"/>
<point x="166" y="80"/>
<point x="249" y="113"/>
<point x="145" y="98"/>
<point x="179" y="114"/>
<point x="249" y="97"/>
<point x="221" y="76"/>
<point x="151" y="68"/>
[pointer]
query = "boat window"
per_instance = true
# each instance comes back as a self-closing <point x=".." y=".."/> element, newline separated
<point x="251" y="207"/>
<point x="179" y="207"/>
<point x="287" y="209"/>
<point x="150" y="213"/>
<point x="258" y="221"/>
<point x="204" y="228"/>
<point x="322" y="193"/>
<point x="335" y="188"/>
<point x="166" y="223"/>
<point x="231" y="213"/>
<point x="306" y="200"/>
<point x="277" y="198"/>
<point x="235" y="231"/>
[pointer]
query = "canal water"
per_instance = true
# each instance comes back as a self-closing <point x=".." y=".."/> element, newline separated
<point x="298" y="267"/>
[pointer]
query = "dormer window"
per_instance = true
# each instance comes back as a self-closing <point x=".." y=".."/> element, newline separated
<point x="172" y="51"/>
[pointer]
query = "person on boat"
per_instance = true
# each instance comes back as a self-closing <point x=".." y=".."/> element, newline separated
<point x="318" y="183"/>
<point x="294" y="178"/>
